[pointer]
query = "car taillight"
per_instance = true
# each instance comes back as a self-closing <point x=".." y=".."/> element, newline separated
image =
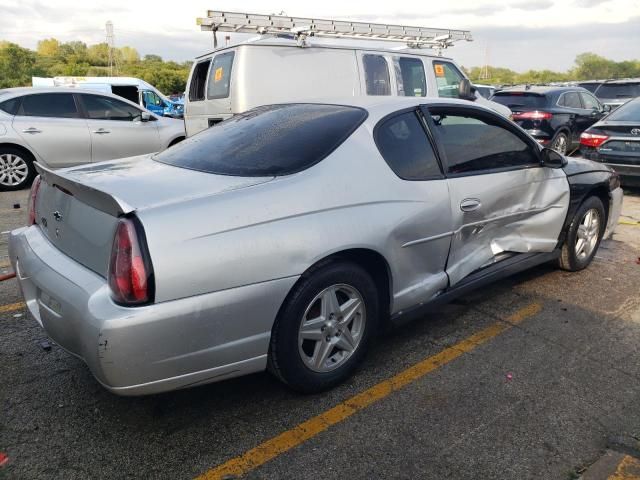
<point x="535" y="115"/>
<point x="130" y="270"/>
<point x="592" y="139"/>
<point x="33" y="195"/>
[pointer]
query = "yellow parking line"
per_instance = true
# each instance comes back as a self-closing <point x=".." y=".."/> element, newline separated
<point x="284" y="442"/>
<point x="628" y="469"/>
<point x="12" y="307"/>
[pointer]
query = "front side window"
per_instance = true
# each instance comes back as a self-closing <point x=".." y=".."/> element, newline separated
<point x="376" y="74"/>
<point x="58" y="105"/>
<point x="571" y="100"/>
<point x="448" y="79"/>
<point x="150" y="98"/>
<point x="590" y="103"/>
<point x="410" y="77"/>
<point x="267" y="141"/>
<point x="478" y="143"/>
<point x="198" y="81"/>
<point x="220" y="76"/>
<point x="106" y="108"/>
<point x="405" y="147"/>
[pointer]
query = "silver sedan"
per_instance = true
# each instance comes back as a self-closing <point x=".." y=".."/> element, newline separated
<point x="287" y="237"/>
<point x="63" y="127"/>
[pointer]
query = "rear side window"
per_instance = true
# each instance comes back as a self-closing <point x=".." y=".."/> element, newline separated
<point x="59" y="105"/>
<point x="10" y="106"/>
<point x="520" y="99"/>
<point x="570" y="100"/>
<point x="629" y="112"/>
<point x="448" y="79"/>
<point x="198" y="81"/>
<point x="267" y="141"/>
<point x="404" y="145"/>
<point x="220" y="76"/>
<point x="410" y="76"/>
<point x="106" y="108"/>
<point x="376" y="74"/>
<point x="476" y="143"/>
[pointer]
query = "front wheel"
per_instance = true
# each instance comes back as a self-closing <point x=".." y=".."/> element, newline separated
<point x="324" y="328"/>
<point x="16" y="169"/>
<point x="584" y="235"/>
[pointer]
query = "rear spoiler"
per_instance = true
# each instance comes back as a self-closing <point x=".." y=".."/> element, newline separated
<point x="93" y="197"/>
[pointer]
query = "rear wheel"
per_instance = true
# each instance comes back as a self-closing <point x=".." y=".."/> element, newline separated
<point x="324" y="328"/>
<point x="584" y="235"/>
<point x="16" y="169"/>
<point x="560" y="143"/>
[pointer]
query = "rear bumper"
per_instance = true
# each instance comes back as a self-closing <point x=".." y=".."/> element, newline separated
<point x="630" y="174"/>
<point x="149" y="349"/>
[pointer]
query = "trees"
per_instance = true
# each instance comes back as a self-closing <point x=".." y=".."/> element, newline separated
<point x="16" y="65"/>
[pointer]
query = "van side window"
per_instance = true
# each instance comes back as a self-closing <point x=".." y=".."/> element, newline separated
<point x="448" y="79"/>
<point x="198" y="81"/>
<point x="410" y="77"/>
<point x="220" y="76"/>
<point x="376" y="73"/>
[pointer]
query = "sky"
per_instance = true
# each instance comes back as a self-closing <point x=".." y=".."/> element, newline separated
<point x="518" y="34"/>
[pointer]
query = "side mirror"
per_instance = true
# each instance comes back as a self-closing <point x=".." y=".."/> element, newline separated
<point x="145" y="116"/>
<point x="552" y="159"/>
<point x="464" y="90"/>
<point x="606" y="108"/>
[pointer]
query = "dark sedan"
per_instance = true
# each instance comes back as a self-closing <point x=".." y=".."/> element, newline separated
<point x="615" y="141"/>
<point x="554" y="116"/>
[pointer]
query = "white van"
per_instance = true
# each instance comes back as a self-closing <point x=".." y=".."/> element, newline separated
<point x="133" y="89"/>
<point x="269" y="70"/>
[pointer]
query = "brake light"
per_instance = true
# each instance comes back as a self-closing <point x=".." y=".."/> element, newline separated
<point x="129" y="267"/>
<point x="33" y="195"/>
<point x="534" y="115"/>
<point x="592" y="139"/>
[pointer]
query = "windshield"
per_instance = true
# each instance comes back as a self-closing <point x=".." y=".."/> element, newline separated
<point x="629" y="112"/>
<point x="520" y="99"/>
<point x="267" y="141"/>
<point x="618" y="90"/>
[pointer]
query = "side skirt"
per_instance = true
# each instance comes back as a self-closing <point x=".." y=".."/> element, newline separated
<point x="490" y="274"/>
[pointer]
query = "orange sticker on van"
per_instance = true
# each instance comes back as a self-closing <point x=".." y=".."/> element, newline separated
<point x="439" y="69"/>
<point x="218" y="75"/>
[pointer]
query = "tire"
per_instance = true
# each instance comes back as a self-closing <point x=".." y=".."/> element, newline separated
<point x="560" y="143"/>
<point x="303" y="331"/>
<point x="577" y="255"/>
<point x="16" y="169"/>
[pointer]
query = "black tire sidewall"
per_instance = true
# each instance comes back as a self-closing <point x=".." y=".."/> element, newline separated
<point x="574" y="262"/>
<point x="28" y="158"/>
<point x="285" y="357"/>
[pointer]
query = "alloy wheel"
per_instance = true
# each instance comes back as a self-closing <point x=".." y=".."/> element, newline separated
<point x="588" y="232"/>
<point x="331" y="328"/>
<point x="13" y="170"/>
<point x="560" y="145"/>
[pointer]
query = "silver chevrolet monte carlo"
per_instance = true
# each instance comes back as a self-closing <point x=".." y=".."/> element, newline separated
<point x="286" y="237"/>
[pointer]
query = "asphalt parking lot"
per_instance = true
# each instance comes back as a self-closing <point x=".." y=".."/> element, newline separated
<point x="537" y="376"/>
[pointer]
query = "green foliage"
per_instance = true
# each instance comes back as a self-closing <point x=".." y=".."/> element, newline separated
<point x="52" y="58"/>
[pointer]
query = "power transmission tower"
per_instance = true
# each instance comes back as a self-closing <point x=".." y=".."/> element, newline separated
<point x="110" y="42"/>
<point x="484" y="75"/>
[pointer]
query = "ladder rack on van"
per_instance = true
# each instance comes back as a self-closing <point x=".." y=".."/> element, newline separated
<point x="301" y="28"/>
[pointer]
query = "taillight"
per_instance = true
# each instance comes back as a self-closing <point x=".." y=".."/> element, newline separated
<point x="33" y="195"/>
<point x="130" y="270"/>
<point x="592" y="139"/>
<point x="535" y="115"/>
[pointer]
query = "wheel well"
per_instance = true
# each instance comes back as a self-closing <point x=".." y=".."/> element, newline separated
<point x="603" y="194"/>
<point x="18" y="147"/>
<point x="375" y="265"/>
<point x="175" y="140"/>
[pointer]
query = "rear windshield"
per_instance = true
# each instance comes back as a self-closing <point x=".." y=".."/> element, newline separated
<point x="629" y="112"/>
<point x="267" y="141"/>
<point x="520" y="99"/>
<point x="589" y="86"/>
<point x="617" y="90"/>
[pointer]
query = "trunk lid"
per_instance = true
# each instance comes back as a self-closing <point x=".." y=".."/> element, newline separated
<point x="77" y="209"/>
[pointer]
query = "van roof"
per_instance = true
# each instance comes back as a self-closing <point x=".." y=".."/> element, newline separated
<point x="287" y="41"/>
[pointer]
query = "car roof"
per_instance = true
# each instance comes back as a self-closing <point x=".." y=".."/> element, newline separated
<point x="269" y="41"/>
<point x="541" y="90"/>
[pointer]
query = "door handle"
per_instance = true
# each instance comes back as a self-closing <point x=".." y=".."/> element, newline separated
<point x="101" y="131"/>
<point x="470" y="204"/>
<point x="31" y="130"/>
